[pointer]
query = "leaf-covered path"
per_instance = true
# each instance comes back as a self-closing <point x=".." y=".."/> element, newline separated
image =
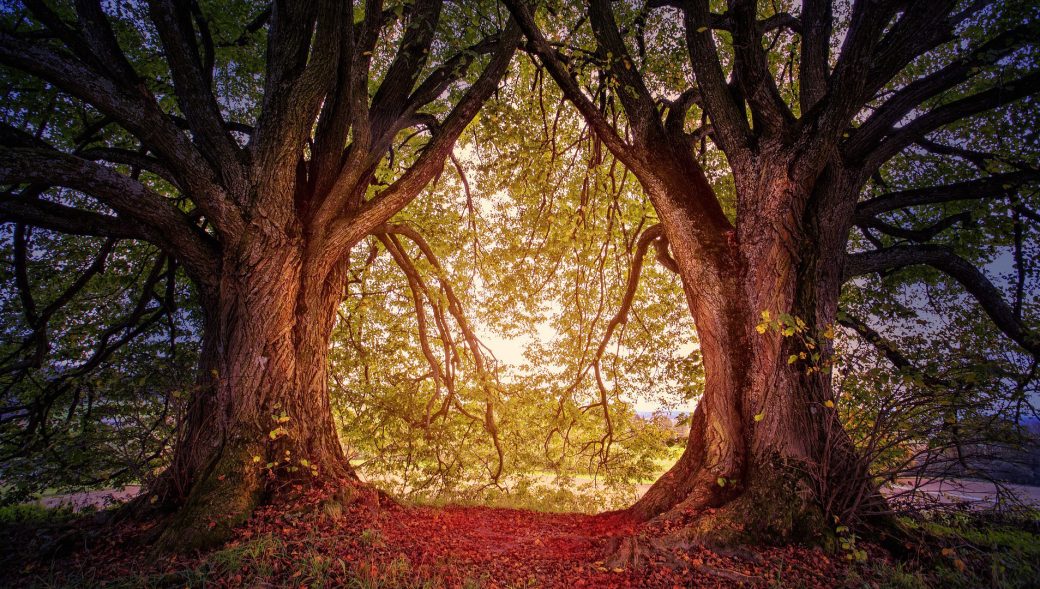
<point x="508" y="548"/>
<point x="357" y="538"/>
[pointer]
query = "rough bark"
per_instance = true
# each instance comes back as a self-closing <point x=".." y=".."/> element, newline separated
<point x="262" y="410"/>
<point x="766" y="449"/>
<point x="273" y="206"/>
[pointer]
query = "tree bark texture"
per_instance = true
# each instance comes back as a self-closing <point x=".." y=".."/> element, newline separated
<point x="262" y="411"/>
<point x="766" y="449"/>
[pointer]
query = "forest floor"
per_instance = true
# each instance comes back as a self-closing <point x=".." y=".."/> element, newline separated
<point x="358" y="538"/>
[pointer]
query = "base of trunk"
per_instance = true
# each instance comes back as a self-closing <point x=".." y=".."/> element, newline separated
<point x="228" y="492"/>
<point x="776" y="506"/>
<point x="773" y="504"/>
<point x="224" y="497"/>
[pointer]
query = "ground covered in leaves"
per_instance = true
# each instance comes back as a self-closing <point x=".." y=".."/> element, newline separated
<point x="352" y="536"/>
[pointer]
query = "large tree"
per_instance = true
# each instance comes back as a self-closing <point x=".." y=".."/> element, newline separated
<point x="808" y="107"/>
<point x="254" y="144"/>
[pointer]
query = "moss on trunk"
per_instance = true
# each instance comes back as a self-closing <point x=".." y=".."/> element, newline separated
<point x="222" y="499"/>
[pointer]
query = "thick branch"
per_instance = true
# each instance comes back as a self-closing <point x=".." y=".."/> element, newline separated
<point x="177" y="234"/>
<point x="946" y="261"/>
<point x="918" y="235"/>
<point x="995" y="97"/>
<point x="191" y="83"/>
<point x="57" y="217"/>
<point x="557" y="67"/>
<point x="729" y="124"/>
<point x="917" y="92"/>
<point x="817" y="22"/>
<point x="136" y="110"/>
<point x="751" y="66"/>
<point x="348" y="230"/>
<point x="989" y="187"/>
<point x="633" y="94"/>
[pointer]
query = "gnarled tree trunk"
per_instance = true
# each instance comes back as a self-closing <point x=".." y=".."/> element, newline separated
<point x="766" y="447"/>
<point x="263" y="414"/>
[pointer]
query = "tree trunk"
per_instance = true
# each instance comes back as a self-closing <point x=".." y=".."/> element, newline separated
<point x="765" y="446"/>
<point x="262" y="414"/>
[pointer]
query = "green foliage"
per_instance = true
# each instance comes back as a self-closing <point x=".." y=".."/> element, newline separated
<point x="535" y="232"/>
<point x="980" y="549"/>
<point x="33" y="513"/>
<point x="99" y="405"/>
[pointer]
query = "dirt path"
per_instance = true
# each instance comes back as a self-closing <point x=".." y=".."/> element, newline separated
<point x="502" y="542"/>
<point x="369" y="541"/>
<point x="496" y="548"/>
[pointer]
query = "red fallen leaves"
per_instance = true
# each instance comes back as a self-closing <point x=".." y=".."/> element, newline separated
<point x="384" y="544"/>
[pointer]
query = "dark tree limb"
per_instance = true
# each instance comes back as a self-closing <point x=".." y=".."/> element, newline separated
<point x="70" y="220"/>
<point x="817" y="22"/>
<point x="729" y="124"/>
<point x="1002" y="94"/>
<point x="558" y="68"/>
<point x="176" y="233"/>
<point x="920" y="90"/>
<point x="633" y="94"/>
<point x="135" y="109"/>
<point x="348" y="230"/>
<point x="966" y="274"/>
<point x="191" y="81"/>
<point x="990" y="187"/>
<point x="770" y="113"/>
<point x="918" y="235"/>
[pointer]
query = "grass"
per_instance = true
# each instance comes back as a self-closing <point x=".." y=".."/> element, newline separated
<point x="33" y="513"/>
<point x="968" y="550"/>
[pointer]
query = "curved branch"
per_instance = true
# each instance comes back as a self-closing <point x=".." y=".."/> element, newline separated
<point x="633" y="93"/>
<point x="174" y="232"/>
<point x="917" y="92"/>
<point x="134" y="159"/>
<point x="946" y="261"/>
<point x="353" y="226"/>
<point x="992" y="98"/>
<point x="191" y="80"/>
<point x="730" y="125"/>
<point x="751" y="66"/>
<point x="990" y="187"/>
<point x="57" y="217"/>
<point x="135" y="109"/>
<point x="557" y="67"/>
<point x="918" y="235"/>
<point x="894" y="356"/>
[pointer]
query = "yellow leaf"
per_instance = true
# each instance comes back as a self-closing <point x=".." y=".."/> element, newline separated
<point x="828" y="404"/>
<point x="761" y="328"/>
<point x="701" y="29"/>
<point x="759" y="416"/>
<point x="256" y="459"/>
<point x="792" y="358"/>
